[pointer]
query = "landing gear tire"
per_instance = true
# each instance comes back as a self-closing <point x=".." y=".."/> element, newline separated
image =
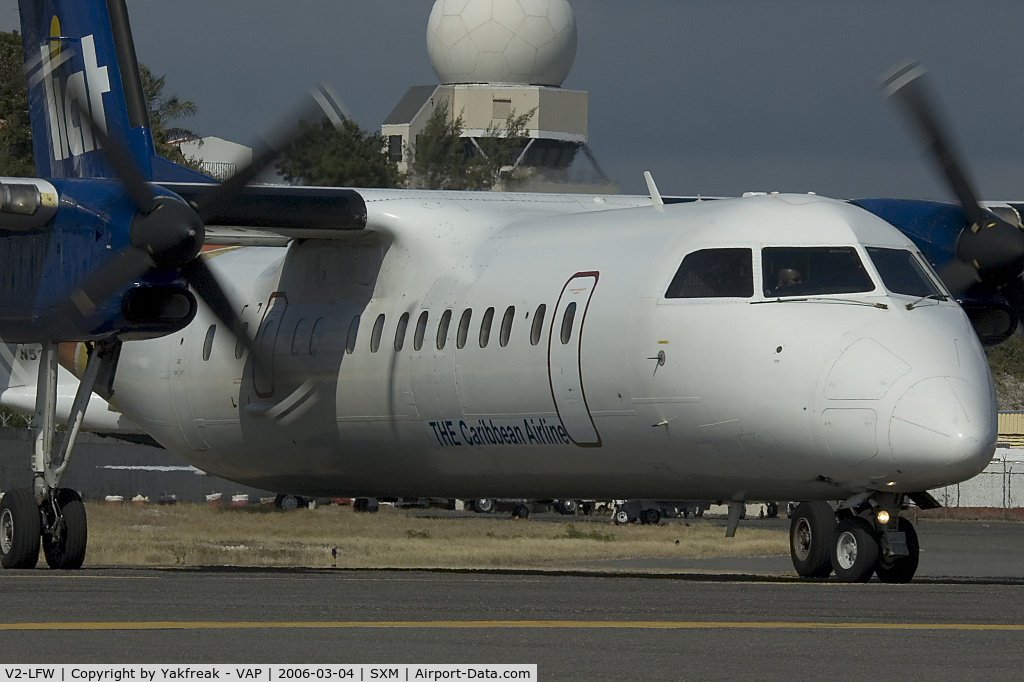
<point x="64" y="545"/>
<point x="622" y="517"/>
<point x="20" y="529"/>
<point x="288" y="502"/>
<point x="810" y="537"/>
<point x="520" y="511"/>
<point x="484" y="505"/>
<point x="900" y="569"/>
<point x="650" y="517"/>
<point x="566" y="507"/>
<point x="854" y="550"/>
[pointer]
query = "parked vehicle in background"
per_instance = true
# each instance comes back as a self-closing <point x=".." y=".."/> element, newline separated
<point x="653" y="511"/>
<point x="566" y="507"/>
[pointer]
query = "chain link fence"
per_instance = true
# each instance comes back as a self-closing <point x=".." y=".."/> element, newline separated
<point x="1000" y="485"/>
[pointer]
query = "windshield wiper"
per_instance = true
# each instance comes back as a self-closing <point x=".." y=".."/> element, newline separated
<point x="936" y="297"/>
<point x="822" y="299"/>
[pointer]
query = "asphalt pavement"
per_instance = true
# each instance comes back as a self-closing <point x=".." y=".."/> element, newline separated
<point x="962" y="619"/>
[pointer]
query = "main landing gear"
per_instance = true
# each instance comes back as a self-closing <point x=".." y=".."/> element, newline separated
<point x="866" y="536"/>
<point x="47" y="515"/>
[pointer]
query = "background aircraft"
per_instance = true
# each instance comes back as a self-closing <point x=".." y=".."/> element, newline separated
<point x="414" y="344"/>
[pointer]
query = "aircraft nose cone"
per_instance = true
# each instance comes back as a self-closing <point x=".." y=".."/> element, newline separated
<point x="943" y="423"/>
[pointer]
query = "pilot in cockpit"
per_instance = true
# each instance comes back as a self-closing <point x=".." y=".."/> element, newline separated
<point x="788" y="278"/>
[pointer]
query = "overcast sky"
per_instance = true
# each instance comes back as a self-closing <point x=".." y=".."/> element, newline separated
<point x="715" y="97"/>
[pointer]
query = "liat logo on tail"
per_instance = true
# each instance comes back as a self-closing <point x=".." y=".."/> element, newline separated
<point x="70" y="136"/>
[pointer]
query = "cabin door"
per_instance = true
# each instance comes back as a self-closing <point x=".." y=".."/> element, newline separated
<point x="565" y="372"/>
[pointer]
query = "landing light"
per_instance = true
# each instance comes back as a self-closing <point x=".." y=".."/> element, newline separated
<point x="891" y="483"/>
<point x="883" y="517"/>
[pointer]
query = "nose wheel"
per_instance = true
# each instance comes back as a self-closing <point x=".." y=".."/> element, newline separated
<point x="809" y="534"/>
<point x="855" y="546"/>
<point x="900" y="569"/>
<point x="854" y="550"/>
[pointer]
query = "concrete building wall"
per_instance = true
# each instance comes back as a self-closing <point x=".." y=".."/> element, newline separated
<point x="563" y="111"/>
<point x="557" y="114"/>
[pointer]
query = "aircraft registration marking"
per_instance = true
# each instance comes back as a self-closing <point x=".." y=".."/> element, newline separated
<point x="511" y="624"/>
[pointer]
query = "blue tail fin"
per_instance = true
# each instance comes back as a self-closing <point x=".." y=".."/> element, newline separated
<point x="85" y="47"/>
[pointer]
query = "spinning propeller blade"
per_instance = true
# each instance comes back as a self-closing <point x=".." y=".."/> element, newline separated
<point x="990" y="250"/>
<point x="168" y="234"/>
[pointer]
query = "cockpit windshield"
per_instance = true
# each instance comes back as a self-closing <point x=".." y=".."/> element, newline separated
<point x="901" y="272"/>
<point x="813" y="271"/>
<point x="714" y="273"/>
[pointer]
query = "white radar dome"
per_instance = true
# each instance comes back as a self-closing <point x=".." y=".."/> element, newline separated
<point x="525" y="42"/>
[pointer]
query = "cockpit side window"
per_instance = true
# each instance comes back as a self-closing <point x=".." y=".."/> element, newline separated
<point x="714" y="273"/>
<point x="901" y="272"/>
<point x="813" y="271"/>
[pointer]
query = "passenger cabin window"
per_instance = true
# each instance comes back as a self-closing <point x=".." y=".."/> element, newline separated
<point x="353" y="332"/>
<point x="378" y="329"/>
<point x="300" y="330"/>
<point x="421" y="330"/>
<point x="813" y="271"/>
<point x="485" y="327"/>
<point x="538" y="325"/>
<point x="460" y="339"/>
<point x="239" y="346"/>
<point x="714" y="273"/>
<point x="208" y="343"/>
<point x="314" y="336"/>
<point x="403" y="325"/>
<point x="902" y="272"/>
<point x="269" y="336"/>
<point x="567" y="318"/>
<point x="506" y="325"/>
<point x="442" y="329"/>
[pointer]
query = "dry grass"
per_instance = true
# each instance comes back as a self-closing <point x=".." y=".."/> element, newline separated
<point x="197" y="535"/>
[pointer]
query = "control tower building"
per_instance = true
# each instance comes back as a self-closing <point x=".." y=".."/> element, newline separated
<point x="495" y="58"/>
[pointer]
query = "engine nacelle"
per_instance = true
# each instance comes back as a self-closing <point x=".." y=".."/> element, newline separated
<point x="26" y="203"/>
<point x="993" y="320"/>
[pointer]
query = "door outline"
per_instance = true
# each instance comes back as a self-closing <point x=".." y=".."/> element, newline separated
<point x="555" y="314"/>
<point x="182" y="403"/>
<point x="258" y="343"/>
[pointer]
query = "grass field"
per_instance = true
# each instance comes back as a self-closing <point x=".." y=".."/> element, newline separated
<point x="198" y="535"/>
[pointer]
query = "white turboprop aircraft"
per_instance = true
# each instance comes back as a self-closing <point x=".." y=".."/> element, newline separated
<point x="468" y="344"/>
<point x="444" y="344"/>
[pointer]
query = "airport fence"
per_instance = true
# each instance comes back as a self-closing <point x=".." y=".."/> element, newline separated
<point x="999" y="486"/>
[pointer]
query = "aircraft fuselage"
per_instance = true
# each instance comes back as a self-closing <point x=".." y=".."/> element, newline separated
<point x="530" y="350"/>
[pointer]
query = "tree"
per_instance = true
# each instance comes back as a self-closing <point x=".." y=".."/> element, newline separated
<point x="162" y="110"/>
<point x="15" y="132"/>
<point x="1007" y="364"/>
<point x="442" y="159"/>
<point x="339" y="157"/>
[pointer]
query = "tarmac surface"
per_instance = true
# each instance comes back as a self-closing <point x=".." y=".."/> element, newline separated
<point x="961" y="619"/>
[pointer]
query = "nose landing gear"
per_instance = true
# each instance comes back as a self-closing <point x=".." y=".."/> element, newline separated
<point x="856" y="541"/>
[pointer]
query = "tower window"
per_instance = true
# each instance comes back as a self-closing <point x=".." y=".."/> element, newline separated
<point x="395" y="147"/>
<point x="502" y="109"/>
